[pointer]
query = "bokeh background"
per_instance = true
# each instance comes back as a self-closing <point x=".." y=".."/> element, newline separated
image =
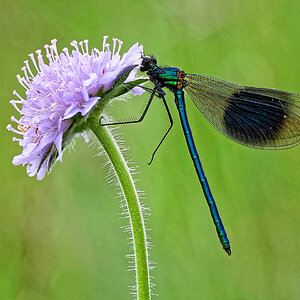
<point x="61" y="238"/>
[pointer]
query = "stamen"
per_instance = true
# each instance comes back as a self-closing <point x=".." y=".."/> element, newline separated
<point x="120" y="46"/>
<point x="104" y="42"/>
<point x="66" y="51"/>
<point x="48" y="55"/>
<point x="75" y="45"/>
<point x="16" y="94"/>
<point x="21" y="128"/>
<point x="86" y="46"/>
<point x="52" y="52"/>
<point x="22" y="81"/>
<point x="26" y="74"/>
<point x="40" y="58"/>
<point x="34" y="63"/>
<point x="35" y="139"/>
<point x="54" y="41"/>
<point x="17" y="140"/>
<point x="25" y="82"/>
<point x="15" y="120"/>
<point x="10" y="128"/>
<point x="28" y="68"/>
<point x="97" y="51"/>
<point x="107" y="48"/>
<point x="47" y="49"/>
<point x="81" y="46"/>
<point x="114" y="45"/>
<point x="13" y="103"/>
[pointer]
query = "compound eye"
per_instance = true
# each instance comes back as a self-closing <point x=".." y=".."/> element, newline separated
<point x="154" y="60"/>
<point x="146" y="63"/>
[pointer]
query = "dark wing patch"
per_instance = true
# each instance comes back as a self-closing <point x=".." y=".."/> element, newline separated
<point x="255" y="117"/>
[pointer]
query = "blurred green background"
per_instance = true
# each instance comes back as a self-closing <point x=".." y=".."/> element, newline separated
<point x="61" y="238"/>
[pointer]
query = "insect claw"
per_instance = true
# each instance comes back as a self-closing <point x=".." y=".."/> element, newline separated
<point x="101" y="124"/>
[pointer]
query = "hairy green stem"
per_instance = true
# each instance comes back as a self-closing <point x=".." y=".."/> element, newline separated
<point x="134" y="207"/>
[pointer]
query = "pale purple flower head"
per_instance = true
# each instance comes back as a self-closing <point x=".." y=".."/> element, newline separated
<point x="63" y="86"/>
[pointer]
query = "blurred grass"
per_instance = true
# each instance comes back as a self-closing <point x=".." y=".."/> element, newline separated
<point x="61" y="238"/>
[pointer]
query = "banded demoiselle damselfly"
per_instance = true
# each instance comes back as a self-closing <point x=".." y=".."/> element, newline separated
<point x="255" y="117"/>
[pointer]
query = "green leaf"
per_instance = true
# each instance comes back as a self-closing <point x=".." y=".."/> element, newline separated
<point x="126" y="87"/>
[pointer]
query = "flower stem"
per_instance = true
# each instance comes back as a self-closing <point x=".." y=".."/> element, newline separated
<point x="131" y="197"/>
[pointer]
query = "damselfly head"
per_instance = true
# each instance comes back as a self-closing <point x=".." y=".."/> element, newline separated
<point x="147" y="63"/>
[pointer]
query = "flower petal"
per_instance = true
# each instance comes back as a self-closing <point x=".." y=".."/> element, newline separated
<point x="89" y="105"/>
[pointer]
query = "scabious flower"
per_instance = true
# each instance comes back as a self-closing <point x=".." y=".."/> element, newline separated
<point x="65" y="86"/>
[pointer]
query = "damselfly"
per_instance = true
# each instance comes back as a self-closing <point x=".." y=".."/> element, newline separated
<point x="255" y="117"/>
